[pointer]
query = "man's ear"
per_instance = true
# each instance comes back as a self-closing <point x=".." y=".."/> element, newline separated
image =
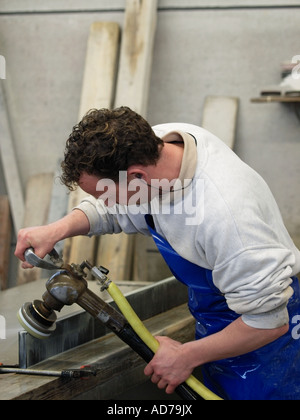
<point x="136" y="172"/>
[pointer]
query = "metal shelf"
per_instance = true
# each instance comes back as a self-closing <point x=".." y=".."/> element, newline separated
<point x="294" y="101"/>
<point x="278" y="99"/>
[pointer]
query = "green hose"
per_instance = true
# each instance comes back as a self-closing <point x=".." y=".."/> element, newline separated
<point x="150" y="341"/>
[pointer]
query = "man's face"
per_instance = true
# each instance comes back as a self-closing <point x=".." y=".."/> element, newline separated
<point x="128" y="191"/>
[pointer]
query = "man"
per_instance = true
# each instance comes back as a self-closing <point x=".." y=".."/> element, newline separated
<point x="218" y="227"/>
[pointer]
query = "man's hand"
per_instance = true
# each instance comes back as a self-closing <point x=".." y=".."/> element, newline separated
<point x="44" y="238"/>
<point x="174" y="363"/>
<point x="169" y="368"/>
<point x="41" y="239"/>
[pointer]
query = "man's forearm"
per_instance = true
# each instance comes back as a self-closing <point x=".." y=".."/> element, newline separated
<point x="235" y="340"/>
<point x="74" y="224"/>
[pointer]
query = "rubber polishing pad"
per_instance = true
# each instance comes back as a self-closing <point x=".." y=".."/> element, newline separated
<point x="38" y="328"/>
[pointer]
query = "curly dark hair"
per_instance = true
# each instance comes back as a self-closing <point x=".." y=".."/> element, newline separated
<point x="106" y="142"/>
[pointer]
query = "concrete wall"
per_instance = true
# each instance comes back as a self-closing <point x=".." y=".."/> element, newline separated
<point x="217" y="47"/>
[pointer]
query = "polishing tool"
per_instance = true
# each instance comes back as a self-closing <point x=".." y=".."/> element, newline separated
<point x="69" y="286"/>
<point x="37" y="320"/>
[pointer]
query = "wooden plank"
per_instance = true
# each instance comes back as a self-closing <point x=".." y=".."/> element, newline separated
<point x="220" y="117"/>
<point x="58" y="204"/>
<point x="100" y="67"/>
<point x="5" y="241"/>
<point x="119" y="367"/>
<point x="136" y="55"/>
<point x="116" y="253"/>
<point x="132" y="90"/>
<point x="38" y="196"/>
<point x="97" y="92"/>
<point x="149" y="265"/>
<point x="10" y="167"/>
<point x="59" y="198"/>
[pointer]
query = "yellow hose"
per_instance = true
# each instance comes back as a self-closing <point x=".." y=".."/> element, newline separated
<point x="150" y="341"/>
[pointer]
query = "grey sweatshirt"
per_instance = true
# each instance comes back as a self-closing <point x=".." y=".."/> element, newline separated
<point x="223" y="217"/>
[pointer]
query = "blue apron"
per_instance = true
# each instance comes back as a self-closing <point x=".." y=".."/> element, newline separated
<point x="270" y="373"/>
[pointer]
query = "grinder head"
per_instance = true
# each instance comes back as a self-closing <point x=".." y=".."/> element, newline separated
<point x="37" y="319"/>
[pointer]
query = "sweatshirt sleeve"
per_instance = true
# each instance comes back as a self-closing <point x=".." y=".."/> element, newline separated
<point x="256" y="284"/>
<point x="111" y="220"/>
<point x="101" y="222"/>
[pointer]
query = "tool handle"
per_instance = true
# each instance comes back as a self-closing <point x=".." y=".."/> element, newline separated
<point x="38" y="262"/>
<point x="68" y="373"/>
<point x="130" y="337"/>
